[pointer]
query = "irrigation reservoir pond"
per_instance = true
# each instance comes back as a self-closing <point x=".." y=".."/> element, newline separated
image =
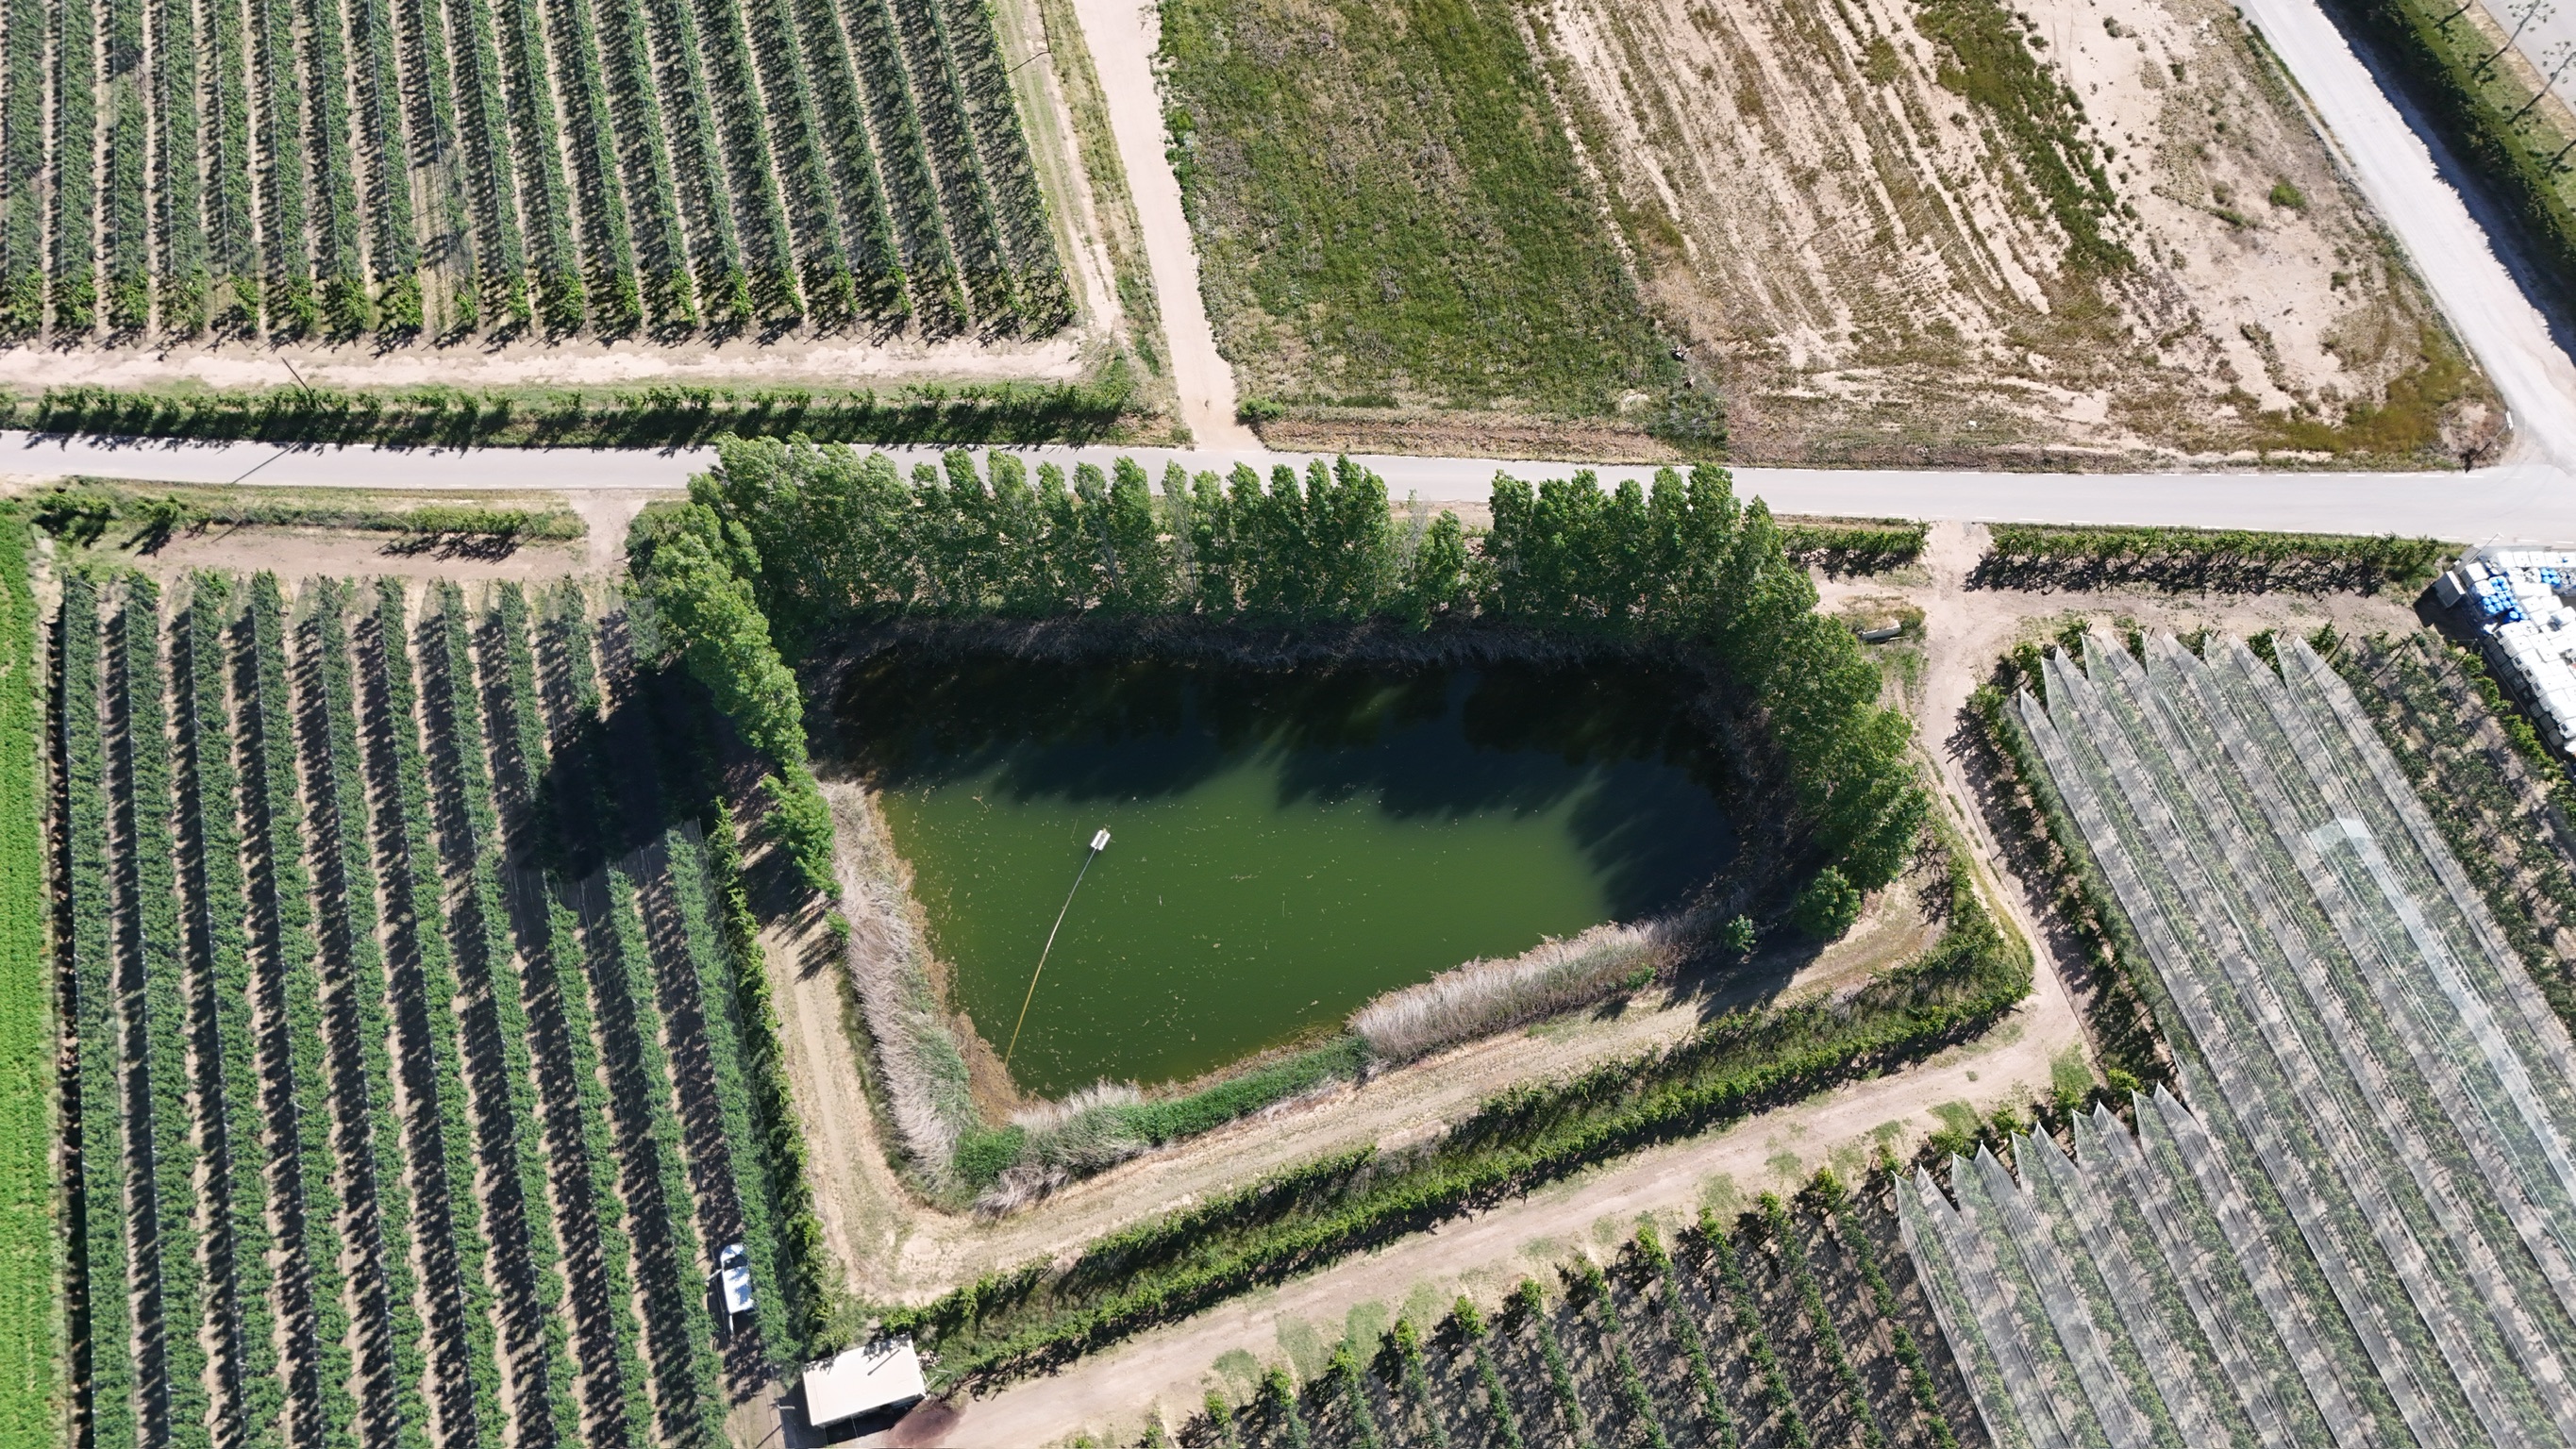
<point x="1284" y="846"/>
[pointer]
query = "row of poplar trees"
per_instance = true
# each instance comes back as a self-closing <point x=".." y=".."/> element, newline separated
<point x="784" y="543"/>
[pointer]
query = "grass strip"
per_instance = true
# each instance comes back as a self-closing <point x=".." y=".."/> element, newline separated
<point x="103" y="1324"/>
<point x="253" y="1412"/>
<point x="2448" y="65"/>
<point x="30" y="1235"/>
<point x="161" y="1056"/>
<point x="458" y="1255"/>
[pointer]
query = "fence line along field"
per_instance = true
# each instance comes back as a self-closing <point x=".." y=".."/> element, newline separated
<point x="416" y="1086"/>
<point x="444" y="169"/>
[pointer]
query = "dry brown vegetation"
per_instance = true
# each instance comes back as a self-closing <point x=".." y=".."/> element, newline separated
<point x="1889" y="238"/>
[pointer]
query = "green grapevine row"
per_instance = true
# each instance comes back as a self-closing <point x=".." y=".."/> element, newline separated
<point x="1787" y="1240"/>
<point x="22" y="168"/>
<point x="826" y="268"/>
<point x="442" y="1132"/>
<point x="608" y="242"/>
<point x="764" y="233"/>
<point x="867" y="232"/>
<point x="1737" y="1294"/>
<point x="669" y="1260"/>
<point x="576" y="1118"/>
<point x="129" y="227"/>
<point x="620" y="1405"/>
<point x="217" y="893"/>
<point x="178" y="1283"/>
<point x="277" y="96"/>
<point x="537" y="145"/>
<point x="972" y="234"/>
<point x="408" y="168"/>
<point x="895" y="117"/>
<point x="724" y="293"/>
<point x="483" y="121"/>
<point x="1712" y="1401"/>
<point x="346" y="309"/>
<point x="1002" y="146"/>
<point x="231" y="210"/>
<point x="91" y="967"/>
<point x="391" y="234"/>
<point x="75" y="269"/>
<point x="371" y="1133"/>
<point x="283" y="925"/>
<point x="523" y="1217"/>
<point x="178" y="186"/>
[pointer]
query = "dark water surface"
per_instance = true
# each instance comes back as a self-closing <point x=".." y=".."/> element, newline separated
<point x="1284" y="846"/>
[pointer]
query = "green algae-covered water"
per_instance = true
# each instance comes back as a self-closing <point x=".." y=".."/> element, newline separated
<point x="1283" y="846"/>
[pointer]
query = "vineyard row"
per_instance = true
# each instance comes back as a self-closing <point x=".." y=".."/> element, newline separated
<point x="472" y="1106"/>
<point x="437" y="169"/>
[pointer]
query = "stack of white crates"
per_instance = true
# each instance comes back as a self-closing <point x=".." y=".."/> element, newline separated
<point x="2518" y="596"/>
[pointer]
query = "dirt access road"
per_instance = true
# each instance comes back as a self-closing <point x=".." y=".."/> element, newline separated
<point x="1123" y="35"/>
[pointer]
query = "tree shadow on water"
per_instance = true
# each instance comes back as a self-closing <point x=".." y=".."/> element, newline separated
<point x="1622" y="746"/>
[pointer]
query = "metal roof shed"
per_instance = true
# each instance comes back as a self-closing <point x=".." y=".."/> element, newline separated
<point x="862" y="1380"/>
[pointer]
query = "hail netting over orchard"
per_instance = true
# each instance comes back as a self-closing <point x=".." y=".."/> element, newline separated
<point x="2363" y="1232"/>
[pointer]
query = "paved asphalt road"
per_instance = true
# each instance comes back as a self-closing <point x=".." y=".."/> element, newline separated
<point x="2530" y="495"/>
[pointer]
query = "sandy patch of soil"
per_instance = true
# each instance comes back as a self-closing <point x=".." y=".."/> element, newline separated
<point x="1872" y="268"/>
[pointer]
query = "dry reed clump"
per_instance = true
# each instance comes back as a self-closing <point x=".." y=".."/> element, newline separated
<point x="1486" y="996"/>
<point x="923" y="1070"/>
<point x="1073" y="1137"/>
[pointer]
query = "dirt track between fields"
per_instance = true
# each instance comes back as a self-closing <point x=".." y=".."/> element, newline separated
<point x="1121" y="35"/>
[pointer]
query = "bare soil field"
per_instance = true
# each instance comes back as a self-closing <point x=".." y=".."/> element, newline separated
<point x="2099" y="232"/>
<point x="2086" y="234"/>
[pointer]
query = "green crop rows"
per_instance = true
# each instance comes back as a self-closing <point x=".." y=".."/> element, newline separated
<point x="422" y="1179"/>
<point x="442" y="169"/>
